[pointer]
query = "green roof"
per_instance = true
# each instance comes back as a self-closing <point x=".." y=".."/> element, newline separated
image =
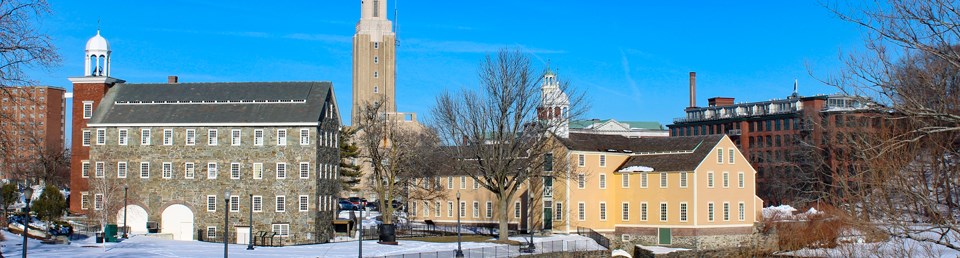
<point x="646" y="125"/>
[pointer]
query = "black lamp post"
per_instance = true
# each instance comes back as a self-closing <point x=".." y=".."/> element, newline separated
<point x="360" y="228"/>
<point x="27" y="194"/>
<point x="459" y="249"/>
<point x="226" y="221"/>
<point x="531" y="247"/>
<point x="125" y="187"/>
<point x="250" y="240"/>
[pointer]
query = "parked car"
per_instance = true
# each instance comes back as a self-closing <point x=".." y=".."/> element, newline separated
<point x="357" y="200"/>
<point x="347" y="205"/>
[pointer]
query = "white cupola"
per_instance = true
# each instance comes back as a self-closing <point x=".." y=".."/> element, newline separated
<point x="554" y="106"/>
<point x="97" y="60"/>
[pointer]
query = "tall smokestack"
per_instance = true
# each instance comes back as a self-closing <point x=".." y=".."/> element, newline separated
<point x="693" y="89"/>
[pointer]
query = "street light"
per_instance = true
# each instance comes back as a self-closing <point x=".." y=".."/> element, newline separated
<point x="459" y="250"/>
<point x="250" y="240"/>
<point x="27" y="194"/>
<point x="360" y="231"/>
<point x="531" y="247"/>
<point x="125" y="187"/>
<point x="226" y="220"/>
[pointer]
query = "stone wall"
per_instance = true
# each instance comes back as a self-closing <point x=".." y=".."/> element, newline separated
<point x="157" y="192"/>
<point x="692" y="238"/>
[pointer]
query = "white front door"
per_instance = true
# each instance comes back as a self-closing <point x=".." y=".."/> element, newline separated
<point x="243" y="235"/>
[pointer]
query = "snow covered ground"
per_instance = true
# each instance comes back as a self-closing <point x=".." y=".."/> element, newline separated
<point x="143" y="246"/>
<point x="895" y="247"/>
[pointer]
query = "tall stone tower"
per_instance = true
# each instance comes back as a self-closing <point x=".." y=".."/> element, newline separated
<point x="88" y="90"/>
<point x="374" y="59"/>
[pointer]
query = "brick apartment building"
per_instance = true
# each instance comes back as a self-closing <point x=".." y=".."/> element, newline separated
<point x="771" y="133"/>
<point x="31" y="126"/>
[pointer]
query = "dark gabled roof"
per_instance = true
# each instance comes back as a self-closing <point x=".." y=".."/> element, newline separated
<point x="684" y="159"/>
<point x="233" y="102"/>
<point x="660" y="153"/>
<point x="621" y="144"/>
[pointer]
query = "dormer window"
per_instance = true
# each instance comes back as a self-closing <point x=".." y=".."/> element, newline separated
<point x="376" y="45"/>
<point x="376" y="74"/>
<point x="376" y="60"/>
<point x="376" y="89"/>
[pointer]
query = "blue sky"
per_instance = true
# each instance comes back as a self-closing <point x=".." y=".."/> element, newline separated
<point x="632" y="58"/>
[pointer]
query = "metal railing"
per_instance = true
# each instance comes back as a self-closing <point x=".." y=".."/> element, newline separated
<point x="555" y="246"/>
<point x="588" y="232"/>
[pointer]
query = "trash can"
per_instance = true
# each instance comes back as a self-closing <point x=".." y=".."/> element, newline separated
<point x="110" y="233"/>
<point x="99" y="237"/>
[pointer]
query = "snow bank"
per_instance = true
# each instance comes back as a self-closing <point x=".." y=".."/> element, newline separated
<point x="786" y="212"/>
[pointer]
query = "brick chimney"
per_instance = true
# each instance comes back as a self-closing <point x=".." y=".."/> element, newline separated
<point x="172" y="79"/>
<point x="693" y="89"/>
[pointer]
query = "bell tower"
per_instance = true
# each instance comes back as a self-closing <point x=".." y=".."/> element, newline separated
<point x="88" y="90"/>
<point x="374" y="59"/>
<point x="555" y="105"/>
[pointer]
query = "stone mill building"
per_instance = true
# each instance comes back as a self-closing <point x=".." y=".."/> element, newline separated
<point x="175" y="149"/>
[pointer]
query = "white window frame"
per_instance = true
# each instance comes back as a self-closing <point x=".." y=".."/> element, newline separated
<point x="211" y="203"/>
<point x="235" y="170"/>
<point x="489" y="210"/>
<point x="664" y="183"/>
<point x="644" y="207"/>
<point x="463" y="182"/>
<point x="449" y="209"/>
<point x="281" y="137"/>
<point x="212" y="135"/>
<point x="234" y="203"/>
<point x="581" y="181"/>
<point x="581" y="211"/>
<point x="282" y="229"/>
<point x="281" y="170"/>
<point x="726" y="179"/>
<point x="101" y="136"/>
<point x="304" y="136"/>
<point x="644" y="180"/>
<point x="87" y="109"/>
<point x="144" y="137"/>
<point x="711" y="210"/>
<point x="710" y="179"/>
<point x="463" y="209"/>
<point x="731" y="157"/>
<point x="236" y="137"/>
<point x="720" y="156"/>
<point x="558" y="210"/>
<point x="304" y="169"/>
<point x="189" y="170"/>
<point x="85" y="169"/>
<point x="683" y="211"/>
<point x="625" y="211"/>
<point x="167" y="137"/>
<point x="86" y="137"/>
<point x="100" y="169"/>
<point x="603" y="211"/>
<point x="280" y="201"/>
<point x="211" y="232"/>
<point x="304" y="203"/>
<point x="516" y="210"/>
<point x="741" y="210"/>
<point x="683" y="179"/>
<point x="166" y="169"/>
<point x="741" y="180"/>
<point x="581" y="160"/>
<point x="212" y="170"/>
<point x="603" y="160"/>
<point x="122" y="136"/>
<point x="625" y="180"/>
<point x="84" y="199"/>
<point x="190" y="137"/>
<point x="602" y="178"/>
<point x="258" y="140"/>
<point x="476" y="209"/>
<point x="145" y="169"/>
<point x="726" y="211"/>
<point x="257" y="170"/>
<point x="121" y="169"/>
<point x="98" y="201"/>
<point x="257" y="203"/>
<point x="664" y="211"/>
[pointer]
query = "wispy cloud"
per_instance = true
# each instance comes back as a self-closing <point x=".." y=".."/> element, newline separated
<point x="465" y="46"/>
<point x="320" y="37"/>
<point x="625" y="63"/>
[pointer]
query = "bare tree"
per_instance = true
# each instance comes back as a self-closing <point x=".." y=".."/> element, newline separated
<point x="498" y="132"/>
<point x="392" y="149"/>
<point x="907" y="174"/>
<point x="107" y="199"/>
